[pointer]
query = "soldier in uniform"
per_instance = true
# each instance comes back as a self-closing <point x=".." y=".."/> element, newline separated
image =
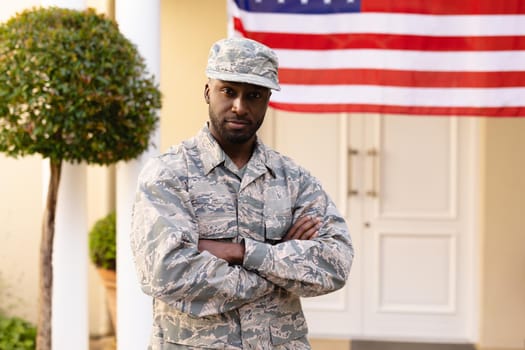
<point x="227" y="233"/>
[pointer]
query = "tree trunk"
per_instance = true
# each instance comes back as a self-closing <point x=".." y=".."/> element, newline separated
<point x="43" y="339"/>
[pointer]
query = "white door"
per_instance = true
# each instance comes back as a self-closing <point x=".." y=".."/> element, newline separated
<point x="407" y="186"/>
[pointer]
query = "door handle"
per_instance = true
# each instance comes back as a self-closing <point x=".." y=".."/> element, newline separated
<point x="373" y="154"/>
<point x="352" y="152"/>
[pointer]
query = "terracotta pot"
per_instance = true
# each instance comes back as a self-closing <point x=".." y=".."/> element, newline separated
<point x="109" y="278"/>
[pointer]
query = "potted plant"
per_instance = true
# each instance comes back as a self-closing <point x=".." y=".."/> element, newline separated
<point x="73" y="89"/>
<point x="103" y="254"/>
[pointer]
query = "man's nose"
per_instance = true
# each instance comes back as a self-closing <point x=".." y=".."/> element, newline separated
<point x="239" y="106"/>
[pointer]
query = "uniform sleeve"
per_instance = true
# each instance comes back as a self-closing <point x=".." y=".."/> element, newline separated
<point x="164" y="240"/>
<point x="307" y="267"/>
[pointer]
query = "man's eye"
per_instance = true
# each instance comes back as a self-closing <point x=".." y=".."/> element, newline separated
<point x="228" y="91"/>
<point x="255" y="95"/>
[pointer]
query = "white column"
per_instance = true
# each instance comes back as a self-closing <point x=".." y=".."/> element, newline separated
<point x="139" y="20"/>
<point x="70" y="249"/>
<point x="70" y="262"/>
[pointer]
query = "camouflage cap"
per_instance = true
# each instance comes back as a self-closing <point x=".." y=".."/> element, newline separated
<point x="243" y="60"/>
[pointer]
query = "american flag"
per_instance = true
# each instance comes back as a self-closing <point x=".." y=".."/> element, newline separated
<point x="424" y="57"/>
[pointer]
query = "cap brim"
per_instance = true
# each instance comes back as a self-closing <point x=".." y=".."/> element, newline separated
<point x="243" y="78"/>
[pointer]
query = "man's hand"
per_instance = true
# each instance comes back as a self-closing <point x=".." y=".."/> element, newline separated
<point x="231" y="252"/>
<point x="303" y="229"/>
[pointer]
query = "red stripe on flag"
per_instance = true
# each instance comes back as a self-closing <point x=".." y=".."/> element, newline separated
<point x="386" y="77"/>
<point x="446" y="7"/>
<point x="382" y="41"/>
<point x="409" y="110"/>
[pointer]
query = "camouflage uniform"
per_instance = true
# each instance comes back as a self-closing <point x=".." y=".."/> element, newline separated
<point x="195" y="191"/>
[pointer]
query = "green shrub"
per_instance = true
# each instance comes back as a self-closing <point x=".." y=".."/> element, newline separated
<point x="103" y="242"/>
<point x="16" y="334"/>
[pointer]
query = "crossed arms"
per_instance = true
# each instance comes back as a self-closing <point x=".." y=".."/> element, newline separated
<point x="304" y="228"/>
<point x="204" y="277"/>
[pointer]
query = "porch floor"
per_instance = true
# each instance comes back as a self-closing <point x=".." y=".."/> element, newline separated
<point x="109" y="343"/>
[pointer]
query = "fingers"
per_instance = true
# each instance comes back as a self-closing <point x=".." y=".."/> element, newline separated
<point x="304" y="228"/>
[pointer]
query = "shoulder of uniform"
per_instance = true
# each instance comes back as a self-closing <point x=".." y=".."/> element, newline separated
<point x="170" y="164"/>
<point x="279" y="162"/>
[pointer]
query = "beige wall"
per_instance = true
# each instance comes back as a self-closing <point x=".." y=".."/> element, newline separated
<point x="9" y="8"/>
<point x="503" y="239"/>
<point x="188" y="29"/>
<point x="20" y="222"/>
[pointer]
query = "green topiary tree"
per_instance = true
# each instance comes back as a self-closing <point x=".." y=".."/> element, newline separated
<point x="72" y="88"/>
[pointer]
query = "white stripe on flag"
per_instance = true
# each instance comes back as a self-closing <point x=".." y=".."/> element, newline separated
<point x="475" y="61"/>
<point x="399" y="96"/>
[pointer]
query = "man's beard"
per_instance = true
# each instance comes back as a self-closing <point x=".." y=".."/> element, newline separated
<point x="232" y="136"/>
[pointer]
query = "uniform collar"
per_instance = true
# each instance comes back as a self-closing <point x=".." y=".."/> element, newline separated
<point x="212" y="154"/>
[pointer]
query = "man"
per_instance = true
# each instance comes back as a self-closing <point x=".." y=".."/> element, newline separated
<point x="229" y="234"/>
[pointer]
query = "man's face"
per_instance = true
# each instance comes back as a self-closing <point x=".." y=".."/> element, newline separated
<point x="236" y="110"/>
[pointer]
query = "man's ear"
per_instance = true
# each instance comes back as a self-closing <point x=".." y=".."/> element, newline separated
<point x="207" y="93"/>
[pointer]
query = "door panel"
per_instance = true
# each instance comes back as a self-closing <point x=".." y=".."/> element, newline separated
<point x="417" y="239"/>
<point x="418" y="158"/>
<point x="416" y="272"/>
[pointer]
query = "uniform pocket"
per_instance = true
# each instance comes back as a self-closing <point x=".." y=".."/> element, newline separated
<point x="277" y="214"/>
<point x="210" y="332"/>
<point x="288" y="328"/>
<point x="216" y="215"/>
